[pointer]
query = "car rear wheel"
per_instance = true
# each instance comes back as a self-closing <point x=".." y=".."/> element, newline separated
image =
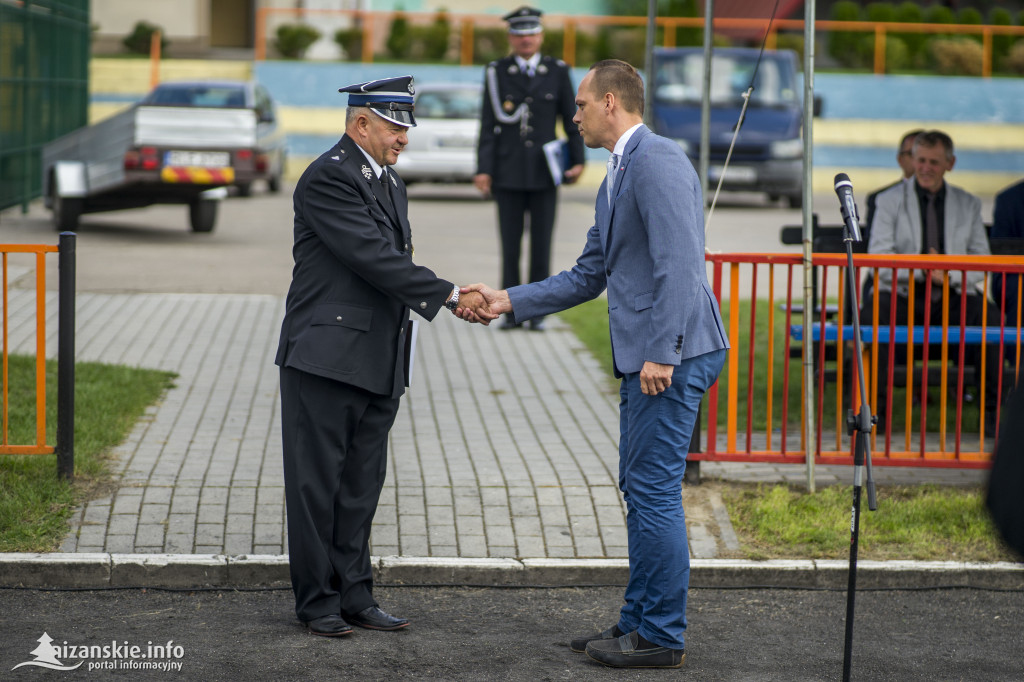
<point x="202" y="214"/>
<point x="795" y="200"/>
<point x="274" y="184"/>
<point x="244" y="190"/>
<point x="66" y="210"/>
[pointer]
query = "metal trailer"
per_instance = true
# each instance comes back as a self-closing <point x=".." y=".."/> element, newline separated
<point x="162" y="154"/>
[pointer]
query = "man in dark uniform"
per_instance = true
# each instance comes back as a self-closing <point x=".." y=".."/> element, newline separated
<point x="344" y="354"/>
<point x="523" y="95"/>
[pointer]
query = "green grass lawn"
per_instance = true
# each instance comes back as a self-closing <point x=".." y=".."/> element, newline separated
<point x="912" y="522"/>
<point x="109" y="399"/>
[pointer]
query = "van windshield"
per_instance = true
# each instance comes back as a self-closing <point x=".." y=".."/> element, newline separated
<point x="679" y="79"/>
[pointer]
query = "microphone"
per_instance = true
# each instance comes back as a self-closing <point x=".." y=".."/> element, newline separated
<point x="848" y="207"/>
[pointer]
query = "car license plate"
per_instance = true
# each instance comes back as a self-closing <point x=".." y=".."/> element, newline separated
<point x="189" y="158"/>
<point x="742" y="174"/>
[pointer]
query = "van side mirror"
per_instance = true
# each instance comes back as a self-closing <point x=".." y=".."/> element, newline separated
<point x="818" y="103"/>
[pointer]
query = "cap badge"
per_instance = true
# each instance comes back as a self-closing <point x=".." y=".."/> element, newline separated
<point x="367" y="173"/>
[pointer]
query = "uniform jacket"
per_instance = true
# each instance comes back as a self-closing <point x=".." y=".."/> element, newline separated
<point x="1008" y="223"/>
<point x="647" y="249"/>
<point x="354" y="281"/>
<point x="897" y="228"/>
<point x="513" y="155"/>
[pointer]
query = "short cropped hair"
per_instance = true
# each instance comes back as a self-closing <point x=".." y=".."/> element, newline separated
<point x="622" y="80"/>
<point x="931" y="138"/>
<point x="910" y="136"/>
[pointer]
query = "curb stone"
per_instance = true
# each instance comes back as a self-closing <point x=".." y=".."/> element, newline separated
<point x="101" y="570"/>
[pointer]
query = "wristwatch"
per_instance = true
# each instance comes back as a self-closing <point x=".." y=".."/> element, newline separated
<point x="453" y="302"/>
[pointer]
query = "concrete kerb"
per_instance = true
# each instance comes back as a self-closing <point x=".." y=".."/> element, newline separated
<point x="183" y="571"/>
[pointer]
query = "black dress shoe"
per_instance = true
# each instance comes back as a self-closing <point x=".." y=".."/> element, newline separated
<point x="579" y="645"/>
<point x="622" y="652"/>
<point x="373" y="618"/>
<point x="329" y="626"/>
<point x="537" y="324"/>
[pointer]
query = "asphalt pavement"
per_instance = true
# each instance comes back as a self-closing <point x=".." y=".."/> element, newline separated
<point x="485" y="634"/>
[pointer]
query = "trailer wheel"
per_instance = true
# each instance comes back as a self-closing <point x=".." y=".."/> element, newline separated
<point x="202" y="214"/>
<point x="795" y="200"/>
<point x="274" y="184"/>
<point x="244" y="189"/>
<point x="66" y="210"/>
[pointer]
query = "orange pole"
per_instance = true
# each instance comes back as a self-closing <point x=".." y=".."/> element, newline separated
<point x="734" y="357"/>
<point x="367" y="56"/>
<point x="771" y="354"/>
<point x="879" y="49"/>
<point x="466" y="44"/>
<point x="260" y="39"/>
<point x="154" y="59"/>
<point x="40" y="348"/>
<point x="569" y="45"/>
<point x="6" y="384"/>
<point x="986" y="56"/>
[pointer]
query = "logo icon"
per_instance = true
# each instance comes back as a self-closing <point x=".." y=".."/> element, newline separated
<point x="46" y="656"/>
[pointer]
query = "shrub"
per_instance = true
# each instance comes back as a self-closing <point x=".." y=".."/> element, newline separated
<point x="881" y="11"/>
<point x="141" y="37"/>
<point x="294" y="39"/>
<point x="897" y="56"/>
<point x="350" y="40"/>
<point x="940" y="14"/>
<point x="916" y="43"/>
<point x="1000" y="43"/>
<point x="957" y="57"/>
<point x="435" y="37"/>
<point x="791" y="41"/>
<point x="971" y="17"/>
<point x="846" y="47"/>
<point x="1014" y="62"/>
<point x="489" y="44"/>
<point x="399" y="42"/>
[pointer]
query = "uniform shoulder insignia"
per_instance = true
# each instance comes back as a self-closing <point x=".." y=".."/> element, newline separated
<point x="560" y="62"/>
<point x="367" y="173"/>
<point x="335" y="158"/>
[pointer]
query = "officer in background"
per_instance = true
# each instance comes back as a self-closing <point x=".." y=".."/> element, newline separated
<point x="523" y="95"/>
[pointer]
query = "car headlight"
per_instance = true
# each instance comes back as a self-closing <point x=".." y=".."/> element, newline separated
<point x="787" y="149"/>
<point x="684" y="145"/>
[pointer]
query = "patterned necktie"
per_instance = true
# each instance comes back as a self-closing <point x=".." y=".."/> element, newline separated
<point x="931" y="225"/>
<point x="613" y="167"/>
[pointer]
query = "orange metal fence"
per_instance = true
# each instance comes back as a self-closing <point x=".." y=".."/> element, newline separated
<point x="64" y="446"/>
<point x="756" y="412"/>
<point x="39" y="447"/>
<point x="375" y="25"/>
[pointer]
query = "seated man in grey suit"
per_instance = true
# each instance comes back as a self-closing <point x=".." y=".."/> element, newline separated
<point x="928" y="215"/>
<point x="646" y="248"/>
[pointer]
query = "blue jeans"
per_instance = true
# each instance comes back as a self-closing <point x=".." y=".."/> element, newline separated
<point x="654" y="436"/>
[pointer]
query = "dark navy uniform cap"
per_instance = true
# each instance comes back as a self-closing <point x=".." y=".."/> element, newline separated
<point x="524" y="21"/>
<point x="389" y="98"/>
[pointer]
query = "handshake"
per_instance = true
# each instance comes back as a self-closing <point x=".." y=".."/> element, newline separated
<point x="482" y="304"/>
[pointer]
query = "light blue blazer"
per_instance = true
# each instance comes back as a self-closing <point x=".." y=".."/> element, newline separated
<point x="647" y="250"/>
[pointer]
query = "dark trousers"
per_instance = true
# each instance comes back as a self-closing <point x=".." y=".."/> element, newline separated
<point x="335" y="459"/>
<point x="513" y="207"/>
<point x="975" y="305"/>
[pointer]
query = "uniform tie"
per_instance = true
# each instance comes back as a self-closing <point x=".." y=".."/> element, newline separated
<point x="931" y="225"/>
<point x="613" y="167"/>
<point x="385" y="180"/>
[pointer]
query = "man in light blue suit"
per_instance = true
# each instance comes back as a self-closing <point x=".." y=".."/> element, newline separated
<point x="668" y="342"/>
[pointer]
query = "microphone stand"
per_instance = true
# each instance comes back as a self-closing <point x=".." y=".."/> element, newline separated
<point x="859" y="427"/>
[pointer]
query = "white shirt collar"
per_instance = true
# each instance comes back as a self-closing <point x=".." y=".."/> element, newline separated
<point x="620" y="146"/>
<point x="527" y="64"/>
<point x="373" y="164"/>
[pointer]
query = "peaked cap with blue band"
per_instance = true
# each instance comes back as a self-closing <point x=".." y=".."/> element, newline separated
<point x="390" y="98"/>
<point x="524" y="21"/>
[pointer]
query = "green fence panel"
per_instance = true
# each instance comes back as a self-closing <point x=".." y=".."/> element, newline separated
<point x="44" y="86"/>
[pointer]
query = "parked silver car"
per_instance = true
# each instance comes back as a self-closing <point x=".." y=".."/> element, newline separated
<point x="442" y="147"/>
